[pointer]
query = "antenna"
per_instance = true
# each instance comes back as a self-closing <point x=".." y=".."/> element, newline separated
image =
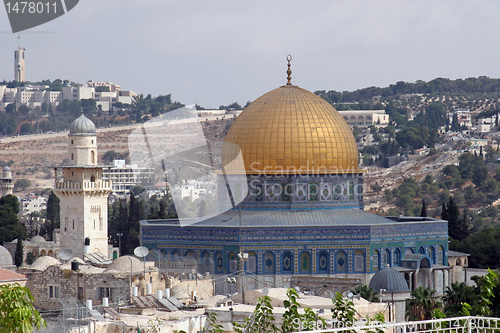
<point x="66" y="254"/>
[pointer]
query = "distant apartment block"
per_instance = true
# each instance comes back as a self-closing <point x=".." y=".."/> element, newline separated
<point x="35" y="95"/>
<point x="124" y="177"/>
<point x="363" y="118"/>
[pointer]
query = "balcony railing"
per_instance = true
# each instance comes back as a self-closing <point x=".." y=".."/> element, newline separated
<point x="82" y="185"/>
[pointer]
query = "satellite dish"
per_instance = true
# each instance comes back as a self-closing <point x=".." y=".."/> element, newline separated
<point x="265" y="291"/>
<point x="66" y="254"/>
<point x="141" y="251"/>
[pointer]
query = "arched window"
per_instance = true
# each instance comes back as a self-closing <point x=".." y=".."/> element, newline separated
<point x="408" y="250"/>
<point x="341" y="262"/>
<point x="252" y="262"/>
<point x="359" y="261"/>
<point x="287" y="262"/>
<point x="115" y="255"/>
<point x="376" y="260"/>
<point x="205" y="262"/>
<point x="233" y="262"/>
<point x="92" y="178"/>
<point x="305" y="263"/>
<point x="397" y="257"/>
<point x="421" y="250"/>
<point x="175" y="255"/>
<point x="72" y="156"/>
<point x="387" y="257"/>
<point x="219" y="263"/>
<point x="269" y="262"/>
<point x="323" y="262"/>
<point x="431" y="254"/>
<point x="440" y="255"/>
<point x="190" y="254"/>
<point x="92" y="157"/>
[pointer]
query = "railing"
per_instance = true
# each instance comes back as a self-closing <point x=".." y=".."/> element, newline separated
<point x="446" y="325"/>
<point x="82" y="185"/>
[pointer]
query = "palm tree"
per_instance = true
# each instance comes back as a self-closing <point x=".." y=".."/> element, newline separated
<point x="422" y="304"/>
<point x="455" y="295"/>
<point x="367" y="293"/>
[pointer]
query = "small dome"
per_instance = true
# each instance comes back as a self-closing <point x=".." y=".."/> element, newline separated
<point x="122" y="265"/>
<point x="37" y="239"/>
<point x="44" y="262"/>
<point x="82" y="126"/>
<point x="390" y="280"/>
<point x="5" y="257"/>
<point x="6" y="168"/>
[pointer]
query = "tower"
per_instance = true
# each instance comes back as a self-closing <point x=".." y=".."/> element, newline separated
<point x="83" y="193"/>
<point x="6" y="182"/>
<point x="19" y="68"/>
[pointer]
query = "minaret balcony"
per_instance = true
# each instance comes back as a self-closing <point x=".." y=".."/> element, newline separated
<point x="83" y="185"/>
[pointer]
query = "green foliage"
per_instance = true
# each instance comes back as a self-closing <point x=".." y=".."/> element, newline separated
<point x="367" y="293"/>
<point x="53" y="215"/>
<point x="487" y="285"/>
<point x="422" y="303"/>
<point x="262" y="319"/>
<point x="26" y="128"/>
<point x="17" y="313"/>
<point x="458" y="227"/>
<point x="455" y="295"/>
<point x="22" y="184"/>
<point x="18" y="258"/>
<point x="10" y="228"/>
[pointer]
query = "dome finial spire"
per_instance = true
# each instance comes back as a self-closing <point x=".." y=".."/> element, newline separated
<point x="289" y="71"/>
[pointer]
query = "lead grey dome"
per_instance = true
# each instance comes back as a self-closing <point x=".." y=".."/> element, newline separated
<point x="6" y="168"/>
<point x="390" y="280"/>
<point x="82" y="126"/>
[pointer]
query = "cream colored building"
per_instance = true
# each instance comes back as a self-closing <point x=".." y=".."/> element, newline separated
<point x="83" y="193"/>
<point x="364" y="118"/>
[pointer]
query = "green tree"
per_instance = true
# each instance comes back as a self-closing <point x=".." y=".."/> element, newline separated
<point x="18" y="258"/>
<point x="22" y="184"/>
<point x="456" y="294"/>
<point x="458" y="227"/>
<point x="53" y="215"/>
<point x="10" y="228"/>
<point x="26" y="128"/>
<point x="17" y="313"/>
<point x="423" y="211"/>
<point x="422" y="303"/>
<point x="367" y="293"/>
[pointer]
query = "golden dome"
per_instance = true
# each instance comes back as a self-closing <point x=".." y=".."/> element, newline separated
<point x="291" y="130"/>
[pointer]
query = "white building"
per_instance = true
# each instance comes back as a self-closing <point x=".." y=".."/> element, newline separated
<point x="6" y="182"/>
<point x="32" y="204"/>
<point x="124" y="177"/>
<point x="83" y="193"/>
<point x="463" y="116"/>
<point x="362" y="118"/>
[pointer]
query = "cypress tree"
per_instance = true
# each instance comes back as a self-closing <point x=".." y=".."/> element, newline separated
<point x="18" y="258"/>
<point x="423" y="212"/>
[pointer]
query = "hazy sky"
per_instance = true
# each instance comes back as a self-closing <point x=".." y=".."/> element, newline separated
<point x="216" y="52"/>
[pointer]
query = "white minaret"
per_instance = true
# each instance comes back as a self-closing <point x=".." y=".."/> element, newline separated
<point x="6" y="182"/>
<point x="83" y="193"/>
<point x="19" y="69"/>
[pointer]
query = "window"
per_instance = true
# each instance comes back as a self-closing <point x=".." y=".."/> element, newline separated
<point x="269" y="262"/>
<point x="53" y="291"/>
<point x="376" y="260"/>
<point x="287" y="266"/>
<point x="72" y="156"/>
<point x="397" y="257"/>
<point x="104" y="292"/>
<point x="233" y="262"/>
<point x="387" y="257"/>
<point x="252" y="262"/>
<point x="71" y="141"/>
<point x="305" y="262"/>
<point x="359" y="261"/>
<point x="80" y="292"/>
<point x="439" y="256"/>
<point x="73" y="224"/>
<point x="341" y="262"/>
<point x="323" y="260"/>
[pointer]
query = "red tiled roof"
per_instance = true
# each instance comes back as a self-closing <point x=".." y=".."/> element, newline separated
<point x="6" y="275"/>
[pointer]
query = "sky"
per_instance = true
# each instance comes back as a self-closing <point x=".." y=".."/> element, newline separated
<point x="218" y="52"/>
